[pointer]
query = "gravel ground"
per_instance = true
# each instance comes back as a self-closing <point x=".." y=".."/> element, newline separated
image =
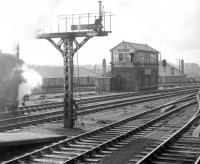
<point x="92" y="121"/>
<point x="95" y="120"/>
<point x="123" y="155"/>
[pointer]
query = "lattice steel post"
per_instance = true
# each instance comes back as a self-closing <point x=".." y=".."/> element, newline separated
<point x="68" y="83"/>
<point x="68" y="46"/>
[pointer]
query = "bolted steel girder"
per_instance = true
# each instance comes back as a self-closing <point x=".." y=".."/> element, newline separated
<point x="68" y="47"/>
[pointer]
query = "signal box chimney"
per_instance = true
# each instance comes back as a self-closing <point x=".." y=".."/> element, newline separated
<point x="104" y="67"/>
<point x="100" y="10"/>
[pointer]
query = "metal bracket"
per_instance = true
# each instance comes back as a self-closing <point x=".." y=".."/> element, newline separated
<point x="79" y="45"/>
<point x="57" y="46"/>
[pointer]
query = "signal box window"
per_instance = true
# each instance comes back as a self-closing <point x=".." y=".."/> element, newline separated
<point x="132" y="57"/>
<point x="142" y="57"/>
<point x="147" y="58"/>
<point x="120" y="57"/>
<point x="172" y="71"/>
<point x="127" y="57"/>
<point x="115" y="57"/>
<point x="152" y="58"/>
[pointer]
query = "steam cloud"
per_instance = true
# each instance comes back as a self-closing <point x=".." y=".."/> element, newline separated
<point x="32" y="79"/>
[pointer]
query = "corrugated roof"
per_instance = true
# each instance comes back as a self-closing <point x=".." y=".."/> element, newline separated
<point x="58" y="71"/>
<point x="138" y="46"/>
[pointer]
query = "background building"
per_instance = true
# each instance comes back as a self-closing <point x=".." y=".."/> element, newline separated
<point x="193" y="72"/>
<point x="53" y="76"/>
<point x="171" y="75"/>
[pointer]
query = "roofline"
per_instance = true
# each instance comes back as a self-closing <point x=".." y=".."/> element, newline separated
<point x="90" y="70"/>
<point x="116" y="46"/>
<point x="129" y="43"/>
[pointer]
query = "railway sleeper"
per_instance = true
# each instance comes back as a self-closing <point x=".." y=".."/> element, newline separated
<point x="106" y="136"/>
<point x="117" y="131"/>
<point x="118" y="145"/>
<point x="86" y="143"/>
<point x="80" y="146"/>
<point x="97" y="138"/>
<point x="183" y="151"/>
<point x="189" y="145"/>
<point x="187" y="141"/>
<point x="47" y="161"/>
<point x="173" y="159"/>
<point x="92" y="160"/>
<point x="91" y="141"/>
<point x="56" y="156"/>
<point x="111" y="148"/>
<point x="134" y="160"/>
<point x="123" y="128"/>
<point x="71" y="154"/>
<point x="138" y="156"/>
<point x="184" y="148"/>
<point x="114" y="132"/>
<point x="144" y="152"/>
<point x="78" y="150"/>
<point x="143" y="132"/>
<point x="189" y="138"/>
<point x="164" y="162"/>
<point x="180" y="155"/>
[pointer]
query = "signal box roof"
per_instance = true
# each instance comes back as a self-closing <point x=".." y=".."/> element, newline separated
<point x="136" y="46"/>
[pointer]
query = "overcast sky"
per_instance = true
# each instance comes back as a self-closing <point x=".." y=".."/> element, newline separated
<point x="169" y="26"/>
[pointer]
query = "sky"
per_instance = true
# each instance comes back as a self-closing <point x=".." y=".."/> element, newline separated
<point x="170" y="26"/>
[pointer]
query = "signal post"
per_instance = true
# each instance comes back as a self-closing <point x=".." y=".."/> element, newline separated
<point x="68" y="46"/>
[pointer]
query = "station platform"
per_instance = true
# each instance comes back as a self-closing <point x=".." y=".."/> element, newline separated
<point x="26" y="138"/>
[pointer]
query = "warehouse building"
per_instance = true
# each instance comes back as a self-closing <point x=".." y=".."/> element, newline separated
<point x="53" y="76"/>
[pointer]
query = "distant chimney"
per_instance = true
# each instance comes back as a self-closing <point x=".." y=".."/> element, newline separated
<point x="104" y="67"/>
<point x="182" y="66"/>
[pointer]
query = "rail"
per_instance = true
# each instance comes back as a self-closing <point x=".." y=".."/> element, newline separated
<point x="104" y="144"/>
<point x="198" y="99"/>
<point x="172" y="138"/>
<point x="58" y="115"/>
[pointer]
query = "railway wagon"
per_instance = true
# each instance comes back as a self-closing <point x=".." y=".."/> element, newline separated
<point x="134" y="67"/>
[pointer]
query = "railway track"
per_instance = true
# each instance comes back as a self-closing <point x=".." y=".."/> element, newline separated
<point x="61" y="90"/>
<point x="92" y="146"/>
<point x="180" y="147"/>
<point x="121" y="95"/>
<point x="103" y="102"/>
<point x="85" y="89"/>
<point x="27" y="120"/>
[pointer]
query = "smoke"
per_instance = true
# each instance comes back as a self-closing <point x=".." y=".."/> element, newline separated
<point x="21" y="19"/>
<point x="32" y="79"/>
